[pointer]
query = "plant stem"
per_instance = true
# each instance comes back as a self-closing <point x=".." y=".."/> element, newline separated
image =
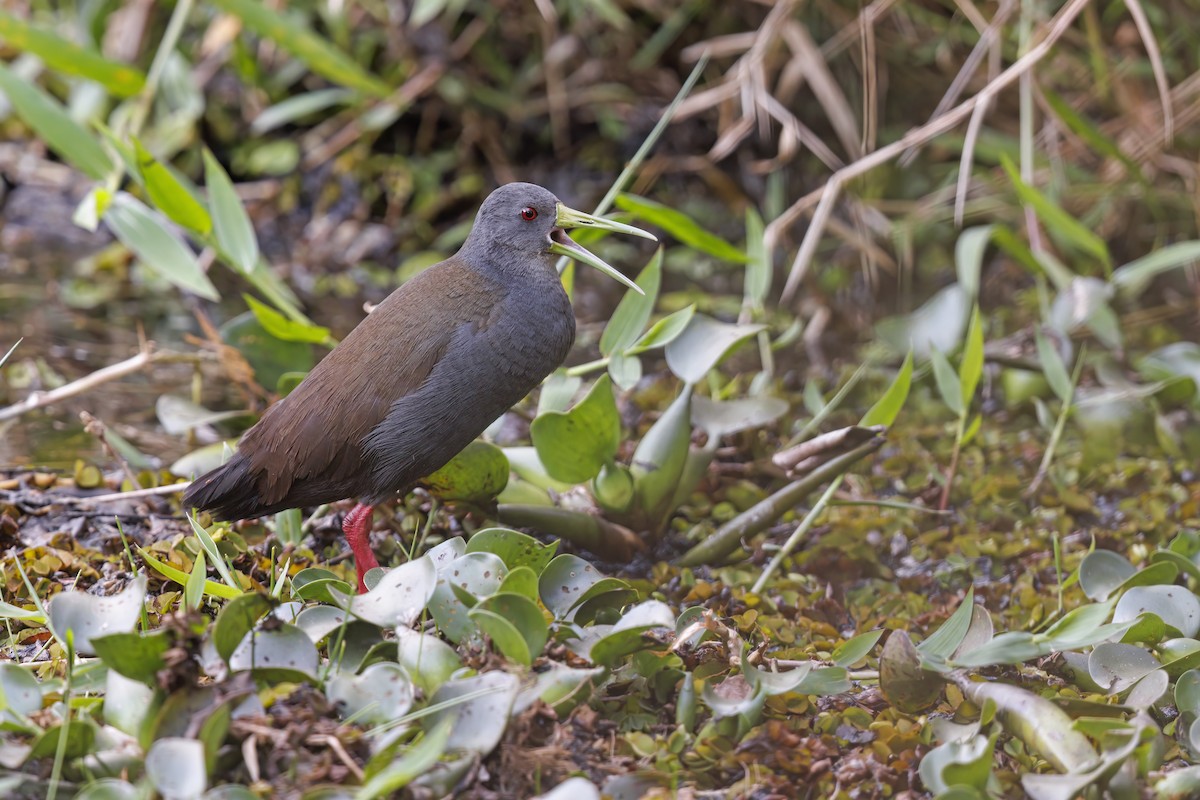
<point x="953" y="468"/>
<point x="805" y="524"/>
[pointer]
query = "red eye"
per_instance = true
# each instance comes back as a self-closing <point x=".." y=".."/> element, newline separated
<point x="529" y="213"/>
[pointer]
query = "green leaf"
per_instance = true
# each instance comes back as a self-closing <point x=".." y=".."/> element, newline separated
<point x="210" y="547"/>
<point x="887" y="408"/>
<point x="968" y="257"/>
<point x="514" y="548"/>
<point x="575" y="445"/>
<point x="515" y="624"/>
<point x="1059" y="223"/>
<point x="703" y="345"/>
<point x="298" y="106"/>
<point x="660" y="458"/>
<point x="970" y="369"/>
<point x="945" y="640"/>
<point x="681" y="226"/>
<point x="663" y="332"/>
<point x="169" y="195"/>
<point x="476" y="475"/>
<point x="63" y="55"/>
<point x="948" y="384"/>
<point x="1054" y="369"/>
<point x="414" y="763"/>
<point x="50" y="121"/>
<point x="138" y="656"/>
<point x="231" y="223"/>
<point x="757" y="283"/>
<point x="854" y="650"/>
<point x="237" y="618"/>
<point x="630" y="318"/>
<point x="147" y="234"/>
<point x="283" y="328"/>
<point x="1091" y="135"/>
<point x="321" y="56"/>
<point x="193" y="592"/>
<point x="181" y="577"/>
<point x="1132" y="279"/>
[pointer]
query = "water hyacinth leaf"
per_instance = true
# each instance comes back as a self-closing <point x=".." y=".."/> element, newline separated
<point x="476" y="574"/>
<point x="179" y="415"/>
<point x="602" y="587"/>
<point x="948" y="384"/>
<point x="514" y="623"/>
<point x="80" y="740"/>
<point x="429" y="661"/>
<point x="628" y="635"/>
<point x="703" y="344"/>
<point x="19" y="690"/>
<point x="1148" y="690"/>
<point x="773" y="683"/>
<point x="1054" y="369"/>
<point x="968" y="257"/>
<point x="573" y="446"/>
<point x="561" y="687"/>
<point x="888" y="407"/>
<point x="53" y="125"/>
<point x="283" y="654"/>
<point x="613" y="488"/>
<point x="203" y="459"/>
<point x="855" y="649"/>
<point x="958" y="763"/>
<point x="177" y="769"/>
<point x="564" y="581"/>
<point x="979" y="633"/>
<point x="476" y="475"/>
<point x="316" y="583"/>
<point x="625" y="370"/>
<point x="88" y="615"/>
<point x="660" y="458"/>
<point x="733" y="697"/>
<point x="415" y="762"/>
<point x="663" y="332"/>
<point x="1102" y="571"/>
<point x="903" y="680"/>
<point x="238" y="618"/>
<point x="443" y="553"/>
<point x="733" y="416"/>
<point x="231" y="224"/>
<point x="970" y="369"/>
<point x="1116" y="667"/>
<point x="380" y="693"/>
<point x="284" y="328"/>
<point x="680" y="226"/>
<point x="320" y="621"/>
<point x="109" y="789"/>
<point x="1012" y="647"/>
<point x="1060" y="225"/>
<point x="137" y="656"/>
<point x="149" y="236"/>
<point x="400" y="596"/>
<point x="633" y="312"/>
<point x="320" y="56"/>
<point x="297" y="107"/>
<point x="169" y="195"/>
<point x="65" y="56"/>
<point x="522" y="581"/>
<point x="479" y="706"/>
<point x="572" y="789"/>
<point x="514" y="548"/>
<point x="1175" y="605"/>
<point x="938" y="324"/>
<point x="946" y="639"/>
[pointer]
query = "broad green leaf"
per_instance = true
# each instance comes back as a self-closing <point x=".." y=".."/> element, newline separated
<point x="63" y="55"/>
<point x="628" y="321"/>
<point x="887" y="408"/>
<point x="169" y="195"/>
<point x="1054" y="369"/>
<point x="660" y="458"/>
<point x="851" y="651"/>
<point x="238" y="618"/>
<point x="299" y="40"/>
<point x="663" y="332"/>
<point x="757" y="283"/>
<point x="948" y="384"/>
<point x="1059" y="223"/>
<point x="475" y="475"/>
<point x="83" y="616"/>
<point x="137" y="656"/>
<point x="379" y="694"/>
<point x="147" y="234"/>
<point x="681" y="226"/>
<point x="1132" y="279"/>
<point x="176" y="768"/>
<point x="50" y="121"/>
<point x="284" y="653"/>
<point x="514" y="623"/>
<point x="575" y="445"/>
<point x="970" y="369"/>
<point x="514" y="548"/>
<point x="231" y="223"/>
<point x="284" y="328"/>
<point x="412" y="764"/>
<point x="703" y="344"/>
<point x="946" y="639"/>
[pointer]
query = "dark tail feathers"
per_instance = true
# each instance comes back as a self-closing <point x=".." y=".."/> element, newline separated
<point x="228" y="492"/>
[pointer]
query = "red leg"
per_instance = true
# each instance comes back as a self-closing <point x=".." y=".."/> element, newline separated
<point x="357" y="527"/>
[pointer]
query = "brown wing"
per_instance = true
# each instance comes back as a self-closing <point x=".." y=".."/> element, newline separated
<point x="307" y="448"/>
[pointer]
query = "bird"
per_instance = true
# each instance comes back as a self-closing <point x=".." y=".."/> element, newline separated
<point x="421" y="376"/>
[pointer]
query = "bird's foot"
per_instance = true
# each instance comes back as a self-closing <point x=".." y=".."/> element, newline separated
<point x="357" y="527"/>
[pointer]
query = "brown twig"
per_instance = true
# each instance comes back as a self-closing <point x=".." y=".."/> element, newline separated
<point x="37" y="400"/>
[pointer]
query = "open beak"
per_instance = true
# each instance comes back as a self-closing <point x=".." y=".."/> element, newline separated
<point x="563" y="245"/>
